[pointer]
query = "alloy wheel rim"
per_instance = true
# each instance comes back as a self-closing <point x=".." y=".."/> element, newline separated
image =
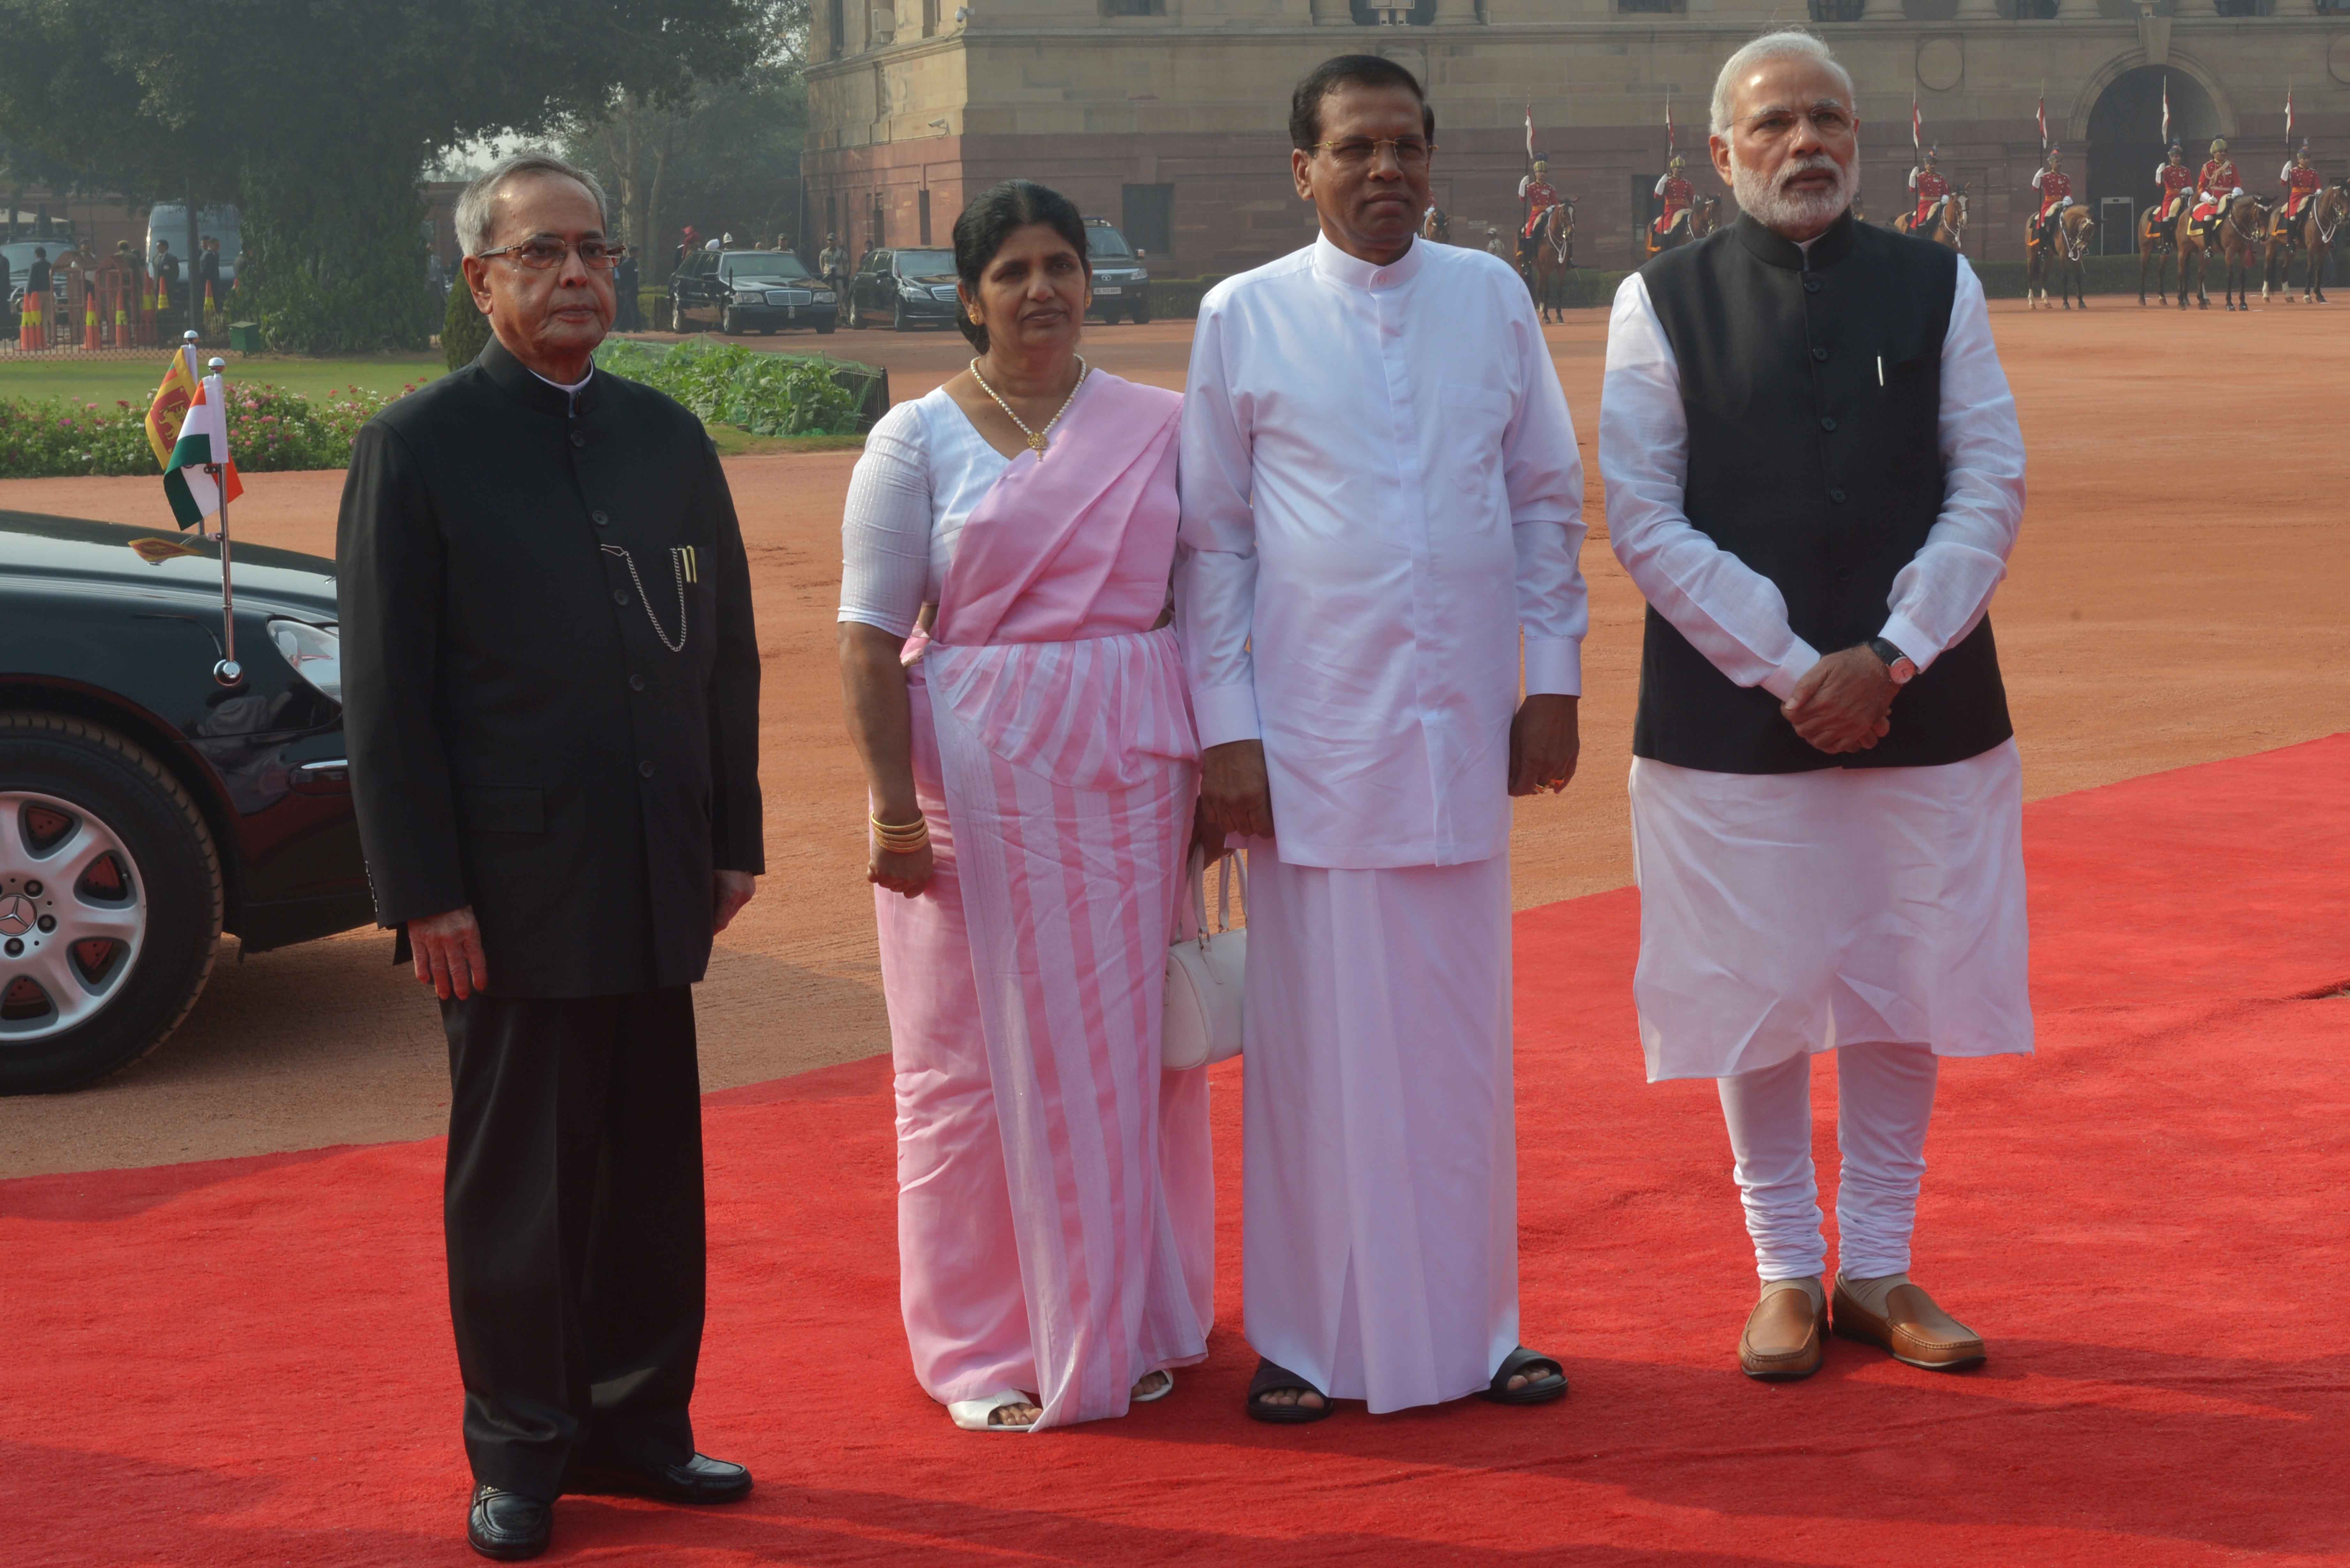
<point x="73" y="916"/>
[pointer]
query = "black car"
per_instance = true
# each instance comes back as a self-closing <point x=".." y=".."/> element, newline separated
<point x="751" y="291"/>
<point x="1122" y="280"/>
<point x="903" y="288"/>
<point x="151" y="797"/>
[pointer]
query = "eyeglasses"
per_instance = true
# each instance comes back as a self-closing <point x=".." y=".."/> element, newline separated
<point x="1830" y="122"/>
<point x="541" y="254"/>
<point x="1358" y="151"/>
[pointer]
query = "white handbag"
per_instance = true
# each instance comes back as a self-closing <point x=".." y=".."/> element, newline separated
<point x="1205" y="972"/>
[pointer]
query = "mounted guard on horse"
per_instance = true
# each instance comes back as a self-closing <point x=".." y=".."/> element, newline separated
<point x="2055" y="238"/>
<point x="1940" y="214"/>
<point x="1686" y="215"/>
<point x="2218" y="188"/>
<point x="1542" y="198"/>
<point x="2305" y="221"/>
<point x="2158" y="235"/>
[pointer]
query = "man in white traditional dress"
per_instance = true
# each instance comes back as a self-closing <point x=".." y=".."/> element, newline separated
<point x="1380" y="489"/>
<point x="1809" y="445"/>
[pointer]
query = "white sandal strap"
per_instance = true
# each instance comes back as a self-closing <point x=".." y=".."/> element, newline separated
<point x="972" y="1415"/>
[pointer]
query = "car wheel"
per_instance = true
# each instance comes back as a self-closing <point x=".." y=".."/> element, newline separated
<point x="1143" y="313"/>
<point x="825" y="328"/>
<point x="110" y="902"/>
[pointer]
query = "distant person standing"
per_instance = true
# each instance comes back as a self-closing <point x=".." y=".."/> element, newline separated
<point x="36" y="291"/>
<point x="167" y="275"/>
<point x="208" y="274"/>
<point x="628" y="317"/>
<point x="552" y="687"/>
<point x="832" y="265"/>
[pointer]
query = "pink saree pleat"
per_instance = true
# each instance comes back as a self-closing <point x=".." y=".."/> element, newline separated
<point x="1066" y="769"/>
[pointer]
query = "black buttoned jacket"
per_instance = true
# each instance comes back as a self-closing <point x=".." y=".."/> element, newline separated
<point x="515" y="564"/>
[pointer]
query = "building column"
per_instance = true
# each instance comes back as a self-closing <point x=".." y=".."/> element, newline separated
<point x="1333" y="14"/>
<point x="1456" y="12"/>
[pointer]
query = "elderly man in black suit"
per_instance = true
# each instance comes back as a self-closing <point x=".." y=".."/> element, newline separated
<point x="553" y="713"/>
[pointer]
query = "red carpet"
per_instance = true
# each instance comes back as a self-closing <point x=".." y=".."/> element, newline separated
<point x="248" y="1362"/>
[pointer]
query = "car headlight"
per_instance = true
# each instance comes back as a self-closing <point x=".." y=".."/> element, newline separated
<point x="316" y="652"/>
<point x="824" y="296"/>
<point x="749" y="297"/>
<point x="908" y="287"/>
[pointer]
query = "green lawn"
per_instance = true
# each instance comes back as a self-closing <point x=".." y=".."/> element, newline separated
<point x="134" y="380"/>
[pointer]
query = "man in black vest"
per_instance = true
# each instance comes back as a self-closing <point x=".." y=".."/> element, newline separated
<point x="552" y="687"/>
<point x="1814" y="476"/>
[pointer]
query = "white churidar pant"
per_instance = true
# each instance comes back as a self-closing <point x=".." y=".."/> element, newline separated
<point x="1785" y="913"/>
<point x="1884" y="1099"/>
<point x="1381" y="1183"/>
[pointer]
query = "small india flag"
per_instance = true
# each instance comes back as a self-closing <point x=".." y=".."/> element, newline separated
<point x="187" y="425"/>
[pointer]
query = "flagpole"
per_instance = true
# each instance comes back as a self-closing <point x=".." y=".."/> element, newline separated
<point x="228" y="673"/>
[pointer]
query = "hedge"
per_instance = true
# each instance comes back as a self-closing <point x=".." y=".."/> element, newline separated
<point x="763" y="393"/>
<point x="268" y="430"/>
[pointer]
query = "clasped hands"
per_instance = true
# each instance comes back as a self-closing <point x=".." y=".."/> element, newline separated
<point x="447" y="947"/>
<point x="1843" y="703"/>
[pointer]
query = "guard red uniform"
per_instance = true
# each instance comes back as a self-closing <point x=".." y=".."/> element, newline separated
<point x="2214" y="185"/>
<point x="1678" y="194"/>
<point x="2176" y="180"/>
<point x="2055" y="186"/>
<point x="2301" y="183"/>
<point x="1541" y="197"/>
<point x="1931" y="188"/>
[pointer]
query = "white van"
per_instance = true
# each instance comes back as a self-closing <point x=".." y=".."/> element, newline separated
<point x="168" y="220"/>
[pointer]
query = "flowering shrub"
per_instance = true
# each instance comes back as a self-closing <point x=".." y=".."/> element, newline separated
<point x="726" y="383"/>
<point x="268" y="428"/>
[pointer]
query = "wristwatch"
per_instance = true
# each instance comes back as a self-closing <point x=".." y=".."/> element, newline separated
<point x="1897" y="664"/>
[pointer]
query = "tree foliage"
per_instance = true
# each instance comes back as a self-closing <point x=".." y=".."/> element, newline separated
<point x="317" y="117"/>
<point x="465" y="330"/>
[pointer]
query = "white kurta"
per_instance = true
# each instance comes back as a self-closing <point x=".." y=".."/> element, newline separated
<point x="1380" y="494"/>
<point x="1792" y="912"/>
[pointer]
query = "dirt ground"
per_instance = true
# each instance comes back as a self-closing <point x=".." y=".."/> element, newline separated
<point x="2178" y="596"/>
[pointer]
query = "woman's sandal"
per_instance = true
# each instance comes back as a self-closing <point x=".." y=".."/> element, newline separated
<point x="974" y="1414"/>
<point x="1272" y="1379"/>
<point x="1537" y="1389"/>
<point x="1165" y="1386"/>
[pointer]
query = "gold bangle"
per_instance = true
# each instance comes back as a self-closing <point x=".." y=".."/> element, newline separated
<point x="900" y="838"/>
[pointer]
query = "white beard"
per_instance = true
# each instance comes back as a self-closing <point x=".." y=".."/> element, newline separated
<point x="1781" y="210"/>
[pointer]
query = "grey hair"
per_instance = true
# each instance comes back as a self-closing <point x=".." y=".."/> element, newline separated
<point x="473" y="217"/>
<point x="1785" y="43"/>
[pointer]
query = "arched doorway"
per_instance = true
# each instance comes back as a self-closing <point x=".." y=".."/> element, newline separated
<point x="2125" y="140"/>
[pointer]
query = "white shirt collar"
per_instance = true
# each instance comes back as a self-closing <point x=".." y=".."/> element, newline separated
<point x="1353" y="272"/>
<point x="574" y="389"/>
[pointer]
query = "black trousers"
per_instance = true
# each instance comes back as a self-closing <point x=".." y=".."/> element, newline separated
<point x="573" y="1215"/>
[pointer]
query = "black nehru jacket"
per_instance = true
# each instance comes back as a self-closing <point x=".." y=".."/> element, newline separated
<point x="1813" y="474"/>
<point x="523" y="738"/>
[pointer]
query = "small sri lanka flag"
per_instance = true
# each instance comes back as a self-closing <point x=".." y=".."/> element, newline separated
<point x="187" y="424"/>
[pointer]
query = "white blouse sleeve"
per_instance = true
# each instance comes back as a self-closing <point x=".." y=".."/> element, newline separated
<point x="885" y="530"/>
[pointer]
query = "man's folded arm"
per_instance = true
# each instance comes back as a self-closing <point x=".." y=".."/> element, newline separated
<point x="738" y="842"/>
<point x="388" y="562"/>
<point x="1730" y="612"/>
<point x="1543" y="473"/>
<point x="1944" y="591"/>
<point x="1216" y="558"/>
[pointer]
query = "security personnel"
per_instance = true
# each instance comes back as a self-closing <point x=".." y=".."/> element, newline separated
<point x="2216" y="186"/>
<point x="2176" y="180"/>
<point x="1674" y="188"/>
<point x="1932" y="191"/>
<point x="2056" y="189"/>
<point x="552" y="700"/>
<point x="2301" y="181"/>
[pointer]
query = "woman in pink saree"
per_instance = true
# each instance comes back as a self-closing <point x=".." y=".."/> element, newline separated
<point x="1016" y="695"/>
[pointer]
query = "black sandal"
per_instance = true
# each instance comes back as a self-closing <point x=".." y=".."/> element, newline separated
<point x="1272" y="1379"/>
<point x="1536" y="1390"/>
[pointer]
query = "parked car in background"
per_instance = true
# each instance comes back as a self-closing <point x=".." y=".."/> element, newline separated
<point x="904" y="289"/>
<point x="168" y="220"/>
<point x="146" y="806"/>
<point x="20" y="258"/>
<point x="1121" y="281"/>
<point x="751" y="291"/>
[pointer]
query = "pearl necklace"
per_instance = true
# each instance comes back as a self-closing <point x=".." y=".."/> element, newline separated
<point x="1035" y="438"/>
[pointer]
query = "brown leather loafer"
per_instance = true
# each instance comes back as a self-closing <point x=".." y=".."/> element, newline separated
<point x="1784" y="1338"/>
<point x="1913" y="1328"/>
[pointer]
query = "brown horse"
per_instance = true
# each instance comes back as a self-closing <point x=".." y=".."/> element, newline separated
<point x="2064" y="258"/>
<point x="1436" y="224"/>
<point x="2242" y="233"/>
<point x="2158" y="238"/>
<point x="1554" y="256"/>
<point x="2312" y="233"/>
<point x="1949" y="223"/>
<point x="1695" y="221"/>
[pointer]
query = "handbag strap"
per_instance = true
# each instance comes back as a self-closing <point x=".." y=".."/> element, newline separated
<point x="1195" y="908"/>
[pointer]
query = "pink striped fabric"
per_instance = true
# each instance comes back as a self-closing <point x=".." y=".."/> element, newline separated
<point x="1066" y="763"/>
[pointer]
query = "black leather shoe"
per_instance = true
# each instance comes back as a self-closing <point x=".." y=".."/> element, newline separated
<point x="507" y="1525"/>
<point x="700" y="1480"/>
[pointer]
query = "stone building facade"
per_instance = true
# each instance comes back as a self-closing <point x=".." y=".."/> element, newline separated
<point x="1170" y="116"/>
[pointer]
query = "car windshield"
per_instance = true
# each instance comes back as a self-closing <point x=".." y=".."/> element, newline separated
<point x="761" y="264"/>
<point x="1106" y="243"/>
<point x="20" y="256"/>
<point x="925" y="263"/>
